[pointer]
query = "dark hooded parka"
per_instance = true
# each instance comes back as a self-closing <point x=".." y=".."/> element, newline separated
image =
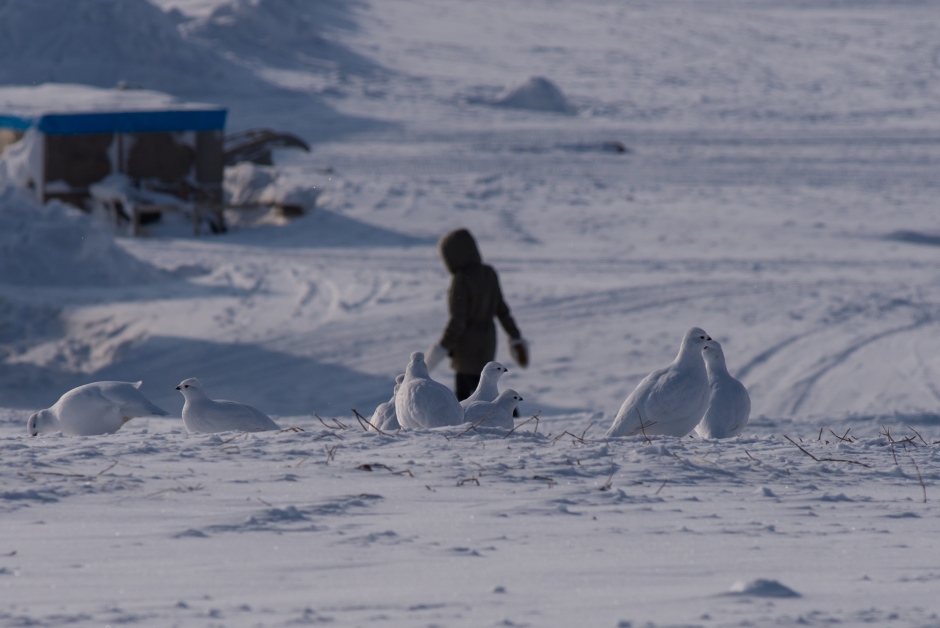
<point x="474" y="300"/>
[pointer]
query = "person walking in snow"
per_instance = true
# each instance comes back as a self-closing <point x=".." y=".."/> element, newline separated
<point x="474" y="300"/>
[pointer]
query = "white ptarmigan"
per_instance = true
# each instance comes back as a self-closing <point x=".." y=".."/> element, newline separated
<point x="422" y="402"/>
<point x="486" y="389"/>
<point x="729" y="406"/>
<point x="384" y="418"/>
<point x="96" y="408"/>
<point x="202" y="415"/>
<point x="496" y="413"/>
<point x="670" y="401"/>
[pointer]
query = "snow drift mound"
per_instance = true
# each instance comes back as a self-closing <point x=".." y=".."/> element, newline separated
<point x="536" y="94"/>
<point x="280" y="33"/>
<point x="57" y="245"/>
<point x="250" y="184"/>
<point x="102" y="42"/>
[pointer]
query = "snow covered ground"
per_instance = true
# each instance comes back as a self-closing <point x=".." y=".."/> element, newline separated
<point x="779" y="189"/>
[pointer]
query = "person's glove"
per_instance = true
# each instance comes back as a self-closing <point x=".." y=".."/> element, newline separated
<point x="434" y="356"/>
<point x="519" y="350"/>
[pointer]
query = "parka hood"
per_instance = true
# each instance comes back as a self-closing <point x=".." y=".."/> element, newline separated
<point x="458" y="250"/>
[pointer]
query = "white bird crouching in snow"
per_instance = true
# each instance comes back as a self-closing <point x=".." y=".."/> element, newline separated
<point x="729" y="406"/>
<point x="486" y="389"/>
<point x="202" y="415"/>
<point x="384" y="418"/>
<point x="423" y="403"/>
<point x="496" y="413"/>
<point x="96" y="408"/>
<point x="672" y="400"/>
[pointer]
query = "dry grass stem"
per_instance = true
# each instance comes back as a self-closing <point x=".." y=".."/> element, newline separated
<point x="472" y="428"/>
<point x="590" y="425"/>
<point x="182" y="488"/>
<point x="862" y="464"/>
<point x="328" y="435"/>
<point x="920" y="478"/>
<point x="844" y="438"/>
<point x="369" y="467"/>
<point x="365" y="424"/>
<point x="330" y="453"/>
<point x="56" y="473"/>
<point x="325" y="424"/>
<point x="610" y="479"/>
<point x="643" y="426"/>
<point x="534" y="417"/>
<point x="887" y="435"/>
<point x="551" y="482"/>
<point x="575" y="437"/>
<point x="918" y="435"/>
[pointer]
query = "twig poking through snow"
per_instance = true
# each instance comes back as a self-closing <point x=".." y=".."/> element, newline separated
<point x="330" y="453"/>
<point x="891" y="442"/>
<point x="534" y="417"/>
<point x="471" y="428"/>
<point x="918" y="435"/>
<point x="920" y="478"/>
<point x="586" y="429"/>
<point x="365" y="424"/>
<point x="867" y="466"/>
<point x="325" y="424"/>
<point x="551" y="482"/>
<point x="844" y="438"/>
<point x="610" y="479"/>
<point x="369" y="467"/>
<point x="567" y="433"/>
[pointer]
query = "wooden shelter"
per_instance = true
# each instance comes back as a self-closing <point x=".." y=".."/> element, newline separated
<point x="76" y="136"/>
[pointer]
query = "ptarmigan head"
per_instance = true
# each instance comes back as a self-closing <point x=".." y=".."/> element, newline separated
<point x="695" y="342"/>
<point x="714" y="354"/>
<point x="36" y="422"/>
<point x="190" y="388"/>
<point x="493" y="370"/>
<point x="417" y="367"/>
<point x="696" y="337"/>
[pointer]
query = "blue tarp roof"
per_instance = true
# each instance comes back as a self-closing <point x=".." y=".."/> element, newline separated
<point x="58" y="109"/>
<point x="120" y="121"/>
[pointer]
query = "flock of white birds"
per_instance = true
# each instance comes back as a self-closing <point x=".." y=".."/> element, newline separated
<point x="695" y="392"/>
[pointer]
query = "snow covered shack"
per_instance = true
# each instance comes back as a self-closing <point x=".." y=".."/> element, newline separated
<point x="59" y="139"/>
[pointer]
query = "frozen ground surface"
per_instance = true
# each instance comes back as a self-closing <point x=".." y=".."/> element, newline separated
<point x="779" y="190"/>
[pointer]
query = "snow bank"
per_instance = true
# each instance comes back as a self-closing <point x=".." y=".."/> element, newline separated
<point x="58" y="245"/>
<point x="279" y="33"/>
<point x="31" y="102"/>
<point x="250" y="184"/>
<point x="536" y="94"/>
<point x="103" y="42"/>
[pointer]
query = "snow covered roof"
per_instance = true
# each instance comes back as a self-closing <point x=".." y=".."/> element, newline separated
<point x="67" y="109"/>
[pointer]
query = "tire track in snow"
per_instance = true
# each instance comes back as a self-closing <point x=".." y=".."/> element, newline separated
<point x="804" y="386"/>
<point x="634" y="299"/>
